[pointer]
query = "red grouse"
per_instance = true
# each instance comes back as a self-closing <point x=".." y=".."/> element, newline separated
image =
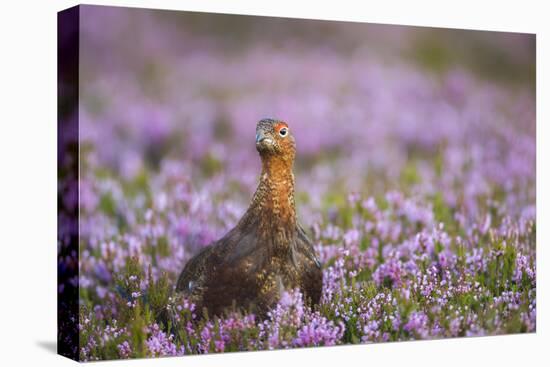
<point x="268" y="251"/>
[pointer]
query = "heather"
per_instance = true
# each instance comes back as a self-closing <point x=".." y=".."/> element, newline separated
<point x="415" y="179"/>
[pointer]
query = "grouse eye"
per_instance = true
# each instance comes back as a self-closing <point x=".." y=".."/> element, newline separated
<point x="283" y="131"/>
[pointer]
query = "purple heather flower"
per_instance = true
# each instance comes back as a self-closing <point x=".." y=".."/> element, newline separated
<point x="124" y="349"/>
<point x="391" y="270"/>
<point x="417" y="324"/>
<point x="159" y="344"/>
<point x="319" y="331"/>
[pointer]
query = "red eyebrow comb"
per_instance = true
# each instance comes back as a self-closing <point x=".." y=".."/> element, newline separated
<point x="280" y="125"/>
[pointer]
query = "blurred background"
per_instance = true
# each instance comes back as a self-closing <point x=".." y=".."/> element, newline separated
<point x="170" y="100"/>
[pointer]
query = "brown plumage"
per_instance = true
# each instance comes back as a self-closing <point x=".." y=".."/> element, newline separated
<point x="268" y="251"/>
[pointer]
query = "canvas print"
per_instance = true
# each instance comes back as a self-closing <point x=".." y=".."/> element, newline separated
<point x="232" y="183"/>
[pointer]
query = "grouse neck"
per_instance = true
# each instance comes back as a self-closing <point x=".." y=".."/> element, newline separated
<point x="273" y="202"/>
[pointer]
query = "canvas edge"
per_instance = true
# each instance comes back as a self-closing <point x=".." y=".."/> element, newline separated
<point x="68" y="44"/>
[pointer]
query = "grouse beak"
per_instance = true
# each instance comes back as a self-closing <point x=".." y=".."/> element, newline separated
<point x="262" y="140"/>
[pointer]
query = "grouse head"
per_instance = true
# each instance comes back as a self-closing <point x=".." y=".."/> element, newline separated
<point x="274" y="140"/>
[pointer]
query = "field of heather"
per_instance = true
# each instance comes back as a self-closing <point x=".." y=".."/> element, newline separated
<point x="415" y="177"/>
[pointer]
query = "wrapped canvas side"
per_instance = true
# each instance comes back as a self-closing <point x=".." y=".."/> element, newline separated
<point x="67" y="184"/>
